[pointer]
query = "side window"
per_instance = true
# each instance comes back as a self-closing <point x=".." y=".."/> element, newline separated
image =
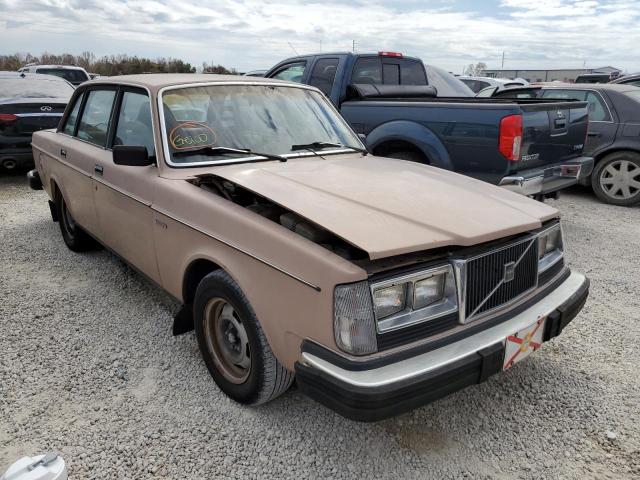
<point x="412" y="73"/>
<point x="94" y="123"/>
<point x="565" y="94"/>
<point x="72" y="119"/>
<point x="391" y="74"/>
<point x="292" y="72"/>
<point x="367" y="70"/>
<point x="323" y="74"/>
<point x="597" y="109"/>
<point x="134" y="121"/>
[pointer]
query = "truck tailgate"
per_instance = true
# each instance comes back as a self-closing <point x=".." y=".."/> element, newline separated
<point x="551" y="132"/>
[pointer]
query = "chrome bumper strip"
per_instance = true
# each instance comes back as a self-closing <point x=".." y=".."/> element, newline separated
<point x="426" y="362"/>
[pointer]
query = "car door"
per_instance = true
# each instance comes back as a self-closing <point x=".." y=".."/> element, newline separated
<point x="123" y="194"/>
<point x="80" y="138"/>
<point x="602" y="124"/>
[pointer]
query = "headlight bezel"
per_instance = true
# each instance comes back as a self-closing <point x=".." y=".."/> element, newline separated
<point x="548" y="258"/>
<point x="446" y="305"/>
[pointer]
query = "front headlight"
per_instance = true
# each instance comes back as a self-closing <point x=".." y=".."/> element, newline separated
<point x="550" y="247"/>
<point x="354" y="321"/>
<point x="414" y="298"/>
<point x="390" y="300"/>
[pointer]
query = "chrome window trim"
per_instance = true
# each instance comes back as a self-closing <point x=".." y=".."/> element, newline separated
<point x="163" y="130"/>
<point x="116" y="85"/>
<point x="408" y="316"/>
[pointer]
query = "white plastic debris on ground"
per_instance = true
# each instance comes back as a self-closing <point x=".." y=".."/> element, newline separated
<point x="41" y="467"/>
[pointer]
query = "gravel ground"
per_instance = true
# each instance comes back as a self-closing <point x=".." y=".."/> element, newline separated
<point x="89" y="368"/>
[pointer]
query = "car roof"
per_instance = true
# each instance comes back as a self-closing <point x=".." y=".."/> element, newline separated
<point x="581" y="86"/>
<point x="39" y="77"/>
<point x="156" y="81"/>
<point x="630" y="76"/>
<point x="64" y="67"/>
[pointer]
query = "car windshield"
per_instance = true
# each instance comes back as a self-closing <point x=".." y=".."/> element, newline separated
<point x="260" y="118"/>
<point x="18" y="87"/>
<point x="69" y="74"/>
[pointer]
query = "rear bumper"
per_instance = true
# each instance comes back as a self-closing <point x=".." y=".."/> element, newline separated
<point x="371" y="394"/>
<point x="17" y="158"/>
<point x="551" y="178"/>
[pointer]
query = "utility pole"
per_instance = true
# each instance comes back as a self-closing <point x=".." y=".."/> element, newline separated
<point x="502" y="68"/>
<point x="353" y="46"/>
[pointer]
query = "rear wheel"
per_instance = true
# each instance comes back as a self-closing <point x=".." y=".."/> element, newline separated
<point x="616" y="179"/>
<point x="233" y="345"/>
<point x="74" y="237"/>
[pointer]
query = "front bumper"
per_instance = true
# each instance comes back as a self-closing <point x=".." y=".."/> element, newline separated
<point x="548" y="179"/>
<point x="370" y="394"/>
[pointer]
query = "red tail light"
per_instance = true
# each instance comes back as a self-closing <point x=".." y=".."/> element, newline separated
<point x="390" y="54"/>
<point x="511" y="137"/>
<point x="7" y="118"/>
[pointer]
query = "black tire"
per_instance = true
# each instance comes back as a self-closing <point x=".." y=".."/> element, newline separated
<point x="74" y="237"/>
<point x="416" y="157"/>
<point x="609" y="187"/>
<point x="265" y="378"/>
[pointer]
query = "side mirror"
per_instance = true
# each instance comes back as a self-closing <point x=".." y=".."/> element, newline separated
<point x="131" y="156"/>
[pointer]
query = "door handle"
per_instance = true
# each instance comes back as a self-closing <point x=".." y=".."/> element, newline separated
<point x="99" y="169"/>
<point x="63" y="153"/>
<point x="593" y="134"/>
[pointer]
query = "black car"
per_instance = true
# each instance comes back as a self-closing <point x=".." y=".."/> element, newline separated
<point x="631" y="79"/>
<point x="613" y="138"/>
<point x="28" y="103"/>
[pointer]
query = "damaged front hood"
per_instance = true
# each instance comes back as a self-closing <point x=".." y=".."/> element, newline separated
<point x="389" y="207"/>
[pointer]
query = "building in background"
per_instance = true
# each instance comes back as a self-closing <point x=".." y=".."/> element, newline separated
<point x="562" y="75"/>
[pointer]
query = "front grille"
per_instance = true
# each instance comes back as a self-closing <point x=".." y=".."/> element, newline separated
<point x="486" y="287"/>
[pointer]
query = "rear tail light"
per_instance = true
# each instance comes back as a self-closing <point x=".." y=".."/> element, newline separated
<point x="511" y="137"/>
<point x="7" y="118"/>
<point x="390" y="54"/>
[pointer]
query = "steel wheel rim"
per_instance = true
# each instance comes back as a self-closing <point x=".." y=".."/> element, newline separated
<point x="69" y="222"/>
<point x="621" y="179"/>
<point x="227" y="340"/>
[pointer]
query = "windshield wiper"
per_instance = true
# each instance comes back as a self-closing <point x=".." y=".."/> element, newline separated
<point x="223" y="150"/>
<point x="320" y="145"/>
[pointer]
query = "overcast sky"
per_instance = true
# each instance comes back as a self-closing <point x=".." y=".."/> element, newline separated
<point x="249" y="34"/>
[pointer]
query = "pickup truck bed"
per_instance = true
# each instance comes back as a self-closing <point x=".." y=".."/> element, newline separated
<point x="533" y="147"/>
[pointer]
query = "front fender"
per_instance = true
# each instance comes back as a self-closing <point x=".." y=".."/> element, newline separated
<point x="414" y="133"/>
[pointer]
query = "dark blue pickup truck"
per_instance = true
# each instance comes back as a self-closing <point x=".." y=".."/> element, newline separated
<point x="421" y="113"/>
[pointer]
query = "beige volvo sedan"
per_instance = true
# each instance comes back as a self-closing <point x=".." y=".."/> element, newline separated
<point x="377" y="284"/>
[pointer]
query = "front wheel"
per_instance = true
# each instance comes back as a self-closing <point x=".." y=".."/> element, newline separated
<point x="233" y="345"/>
<point x="616" y="179"/>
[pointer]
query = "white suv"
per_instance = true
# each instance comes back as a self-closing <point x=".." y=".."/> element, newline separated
<point x="71" y="73"/>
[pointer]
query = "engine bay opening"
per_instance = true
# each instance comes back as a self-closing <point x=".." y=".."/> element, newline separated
<point x="280" y="215"/>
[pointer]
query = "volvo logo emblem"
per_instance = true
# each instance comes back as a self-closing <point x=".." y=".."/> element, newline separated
<point x="509" y="271"/>
<point x="46" y="108"/>
<point x="559" y="114"/>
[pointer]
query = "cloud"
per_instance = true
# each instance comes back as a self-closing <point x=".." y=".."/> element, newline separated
<point x="252" y="34"/>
